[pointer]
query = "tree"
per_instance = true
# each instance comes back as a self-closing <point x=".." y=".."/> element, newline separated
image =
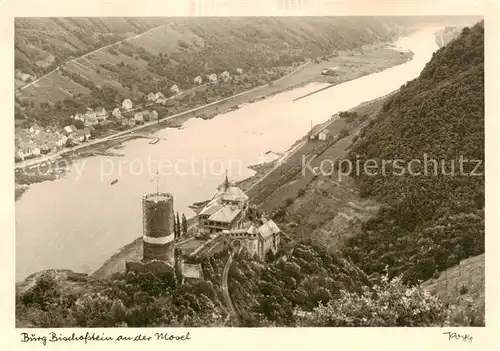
<point x="184" y="225"/>
<point x="78" y="124"/>
<point x="177" y="226"/>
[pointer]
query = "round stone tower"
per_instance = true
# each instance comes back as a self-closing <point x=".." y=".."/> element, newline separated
<point x="158" y="227"/>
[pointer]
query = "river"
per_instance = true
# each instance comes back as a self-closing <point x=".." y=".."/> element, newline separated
<point x="78" y="221"/>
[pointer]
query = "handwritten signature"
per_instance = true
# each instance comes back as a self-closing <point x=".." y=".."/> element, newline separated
<point x="457" y="336"/>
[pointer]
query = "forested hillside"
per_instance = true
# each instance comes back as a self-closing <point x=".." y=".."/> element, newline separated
<point x="173" y="51"/>
<point x="434" y="218"/>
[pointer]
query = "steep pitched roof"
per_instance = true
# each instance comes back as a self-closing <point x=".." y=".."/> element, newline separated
<point x="269" y="228"/>
<point x="210" y="210"/>
<point x="225" y="215"/>
<point x="234" y="193"/>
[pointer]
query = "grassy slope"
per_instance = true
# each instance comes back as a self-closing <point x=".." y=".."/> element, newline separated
<point x="462" y="287"/>
<point x="428" y="223"/>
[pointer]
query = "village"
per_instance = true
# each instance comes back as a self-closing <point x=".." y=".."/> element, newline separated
<point x="36" y="140"/>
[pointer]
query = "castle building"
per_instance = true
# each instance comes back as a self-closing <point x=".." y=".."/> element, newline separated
<point x="158" y="242"/>
<point x="227" y="216"/>
<point x="158" y="234"/>
<point x="226" y="210"/>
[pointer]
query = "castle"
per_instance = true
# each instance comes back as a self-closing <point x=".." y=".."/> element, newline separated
<point x="228" y="216"/>
<point x="159" y="252"/>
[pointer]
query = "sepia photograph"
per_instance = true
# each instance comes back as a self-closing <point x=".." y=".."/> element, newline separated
<point x="260" y="171"/>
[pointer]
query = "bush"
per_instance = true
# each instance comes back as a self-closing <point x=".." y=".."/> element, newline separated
<point x="288" y="201"/>
<point x="389" y="304"/>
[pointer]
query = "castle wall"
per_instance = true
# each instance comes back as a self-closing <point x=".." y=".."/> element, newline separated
<point x="155" y="267"/>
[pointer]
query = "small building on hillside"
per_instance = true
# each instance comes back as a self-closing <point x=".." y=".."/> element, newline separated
<point x="175" y="89"/>
<point x="80" y="135"/>
<point x="117" y="113"/>
<point x="138" y="117"/>
<point x="78" y="117"/>
<point x="35" y="129"/>
<point x="319" y="133"/>
<point x="329" y="71"/>
<point x="159" y="95"/>
<point x="239" y="70"/>
<point x="77" y="137"/>
<point x="70" y="129"/>
<point x="127" y="104"/>
<point x="212" y="78"/>
<point x="90" y="113"/>
<point x="153" y="116"/>
<point x="91" y="121"/>
<point x="225" y="76"/>
<point x="151" y="97"/>
<point x="61" y="140"/>
<point x="101" y="113"/>
<point x="323" y="135"/>
<point x="198" y="80"/>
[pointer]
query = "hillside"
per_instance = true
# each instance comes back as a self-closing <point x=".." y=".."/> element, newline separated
<point x="160" y="53"/>
<point x="434" y="217"/>
<point x="462" y="288"/>
<point x="417" y="225"/>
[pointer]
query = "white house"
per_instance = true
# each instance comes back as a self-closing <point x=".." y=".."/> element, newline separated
<point x="127" y="104"/>
<point x="318" y="133"/>
<point x="239" y="70"/>
<point x="159" y="96"/>
<point x="175" y="89"/>
<point x="61" y="140"/>
<point x="101" y="113"/>
<point x="153" y="115"/>
<point x="225" y="76"/>
<point x="117" y="113"/>
<point x="323" y="135"/>
<point x="212" y="78"/>
<point x="78" y="117"/>
<point x="90" y="113"/>
<point x="70" y="129"/>
<point x="138" y="117"/>
<point x="77" y="137"/>
<point x="35" y="129"/>
<point x="85" y="132"/>
<point x="91" y="121"/>
<point x="198" y="80"/>
<point x="151" y="97"/>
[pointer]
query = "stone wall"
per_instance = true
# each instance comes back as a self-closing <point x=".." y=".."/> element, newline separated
<point x="155" y="267"/>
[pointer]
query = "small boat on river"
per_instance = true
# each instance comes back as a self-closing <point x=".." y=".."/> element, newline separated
<point x="154" y="141"/>
<point x="114" y="182"/>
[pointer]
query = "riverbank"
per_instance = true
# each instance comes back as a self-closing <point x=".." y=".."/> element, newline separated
<point x="268" y="175"/>
<point x="350" y="65"/>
